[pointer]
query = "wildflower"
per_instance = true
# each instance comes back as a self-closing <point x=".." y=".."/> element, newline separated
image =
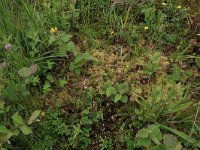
<point x="179" y="7"/>
<point x="164" y="4"/>
<point x="7" y="46"/>
<point x="198" y="34"/>
<point x="146" y="28"/>
<point x="54" y="30"/>
<point x="43" y="114"/>
<point x="112" y="32"/>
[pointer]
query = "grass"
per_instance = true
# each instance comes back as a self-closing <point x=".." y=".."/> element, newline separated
<point x="99" y="74"/>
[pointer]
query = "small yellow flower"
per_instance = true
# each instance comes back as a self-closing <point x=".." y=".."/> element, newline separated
<point x="179" y="7"/>
<point x="54" y="30"/>
<point x="164" y="4"/>
<point x="112" y="32"/>
<point x="146" y="28"/>
<point x="43" y="114"/>
<point x="198" y="34"/>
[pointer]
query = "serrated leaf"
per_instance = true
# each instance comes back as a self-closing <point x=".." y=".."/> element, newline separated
<point x="110" y="91"/>
<point x="26" y="130"/>
<point x="3" y="129"/>
<point x="23" y="72"/>
<point x="62" y="50"/>
<point x="17" y="119"/>
<point x="34" y="116"/>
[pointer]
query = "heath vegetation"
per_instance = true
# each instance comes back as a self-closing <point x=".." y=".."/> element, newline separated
<point x="99" y="74"/>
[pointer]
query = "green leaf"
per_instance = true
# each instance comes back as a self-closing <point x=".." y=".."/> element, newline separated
<point x="81" y="57"/>
<point x="158" y="147"/>
<point x="143" y="142"/>
<point x="171" y="142"/>
<point x="71" y="46"/>
<point x="46" y="87"/>
<point x="17" y="119"/>
<point x="11" y="92"/>
<point x="142" y="133"/>
<point x="3" y="129"/>
<point x="34" y="116"/>
<point x="52" y="39"/>
<point x="2" y="104"/>
<point x="24" y="72"/>
<point x="62" y="50"/>
<point x="123" y="88"/>
<point x="26" y="130"/>
<point x="66" y="38"/>
<point x="181" y="134"/>
<point x="117" y="97"/>
<point x="62" y="82"/>
<point x="124" y="99"/>
<point x="110" y="91"/>
<point x="155" y="134"/>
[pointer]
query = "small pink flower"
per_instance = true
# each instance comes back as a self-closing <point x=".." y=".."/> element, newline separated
<point x="7" y="46"/>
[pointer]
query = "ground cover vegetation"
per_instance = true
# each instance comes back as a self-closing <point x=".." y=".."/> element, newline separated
<point x="99" y="74"/>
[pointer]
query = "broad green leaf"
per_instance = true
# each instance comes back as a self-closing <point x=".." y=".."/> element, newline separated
<point x="154" y="133"/>
<point x="64" y="48"/>
<point x="143" y="142"/>
<point x="34" y="116"/>
<point x="23" y="72"/>
<point x="66" y="38"/>
<point x="17" y="119"/>
<point x="3" y="129"/>
<point x="123" y="88"/>
<point x="124" y="99"/>
<point x="26" y="130"/>
<point x="171" y="142"/>
<point x="142" y="133"/>
<point x="11" y="93"/>
<point x="71" y="46"/>
<point x="117" y="97"/>
<point x="110" y="91"/>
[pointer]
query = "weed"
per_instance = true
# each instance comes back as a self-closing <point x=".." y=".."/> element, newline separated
<point x="118" y="74"/>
